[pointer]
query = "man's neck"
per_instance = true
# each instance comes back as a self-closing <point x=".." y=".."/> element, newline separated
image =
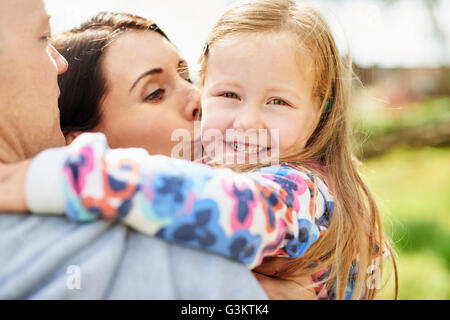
<point x="11" y="149"/>
<point x="8" y="154"/>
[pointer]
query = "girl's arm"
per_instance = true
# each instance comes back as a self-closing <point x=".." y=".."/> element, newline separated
<point x="277" y="210"/>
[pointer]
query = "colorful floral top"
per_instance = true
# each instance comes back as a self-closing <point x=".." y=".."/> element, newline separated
<point x="274" y="211"/>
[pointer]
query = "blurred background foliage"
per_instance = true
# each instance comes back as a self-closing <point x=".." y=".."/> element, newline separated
<point x="401" y="124"/>
<point x="405" y="150"/>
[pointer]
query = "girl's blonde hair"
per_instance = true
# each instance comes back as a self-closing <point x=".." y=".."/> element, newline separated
<point x="355" y="230"/>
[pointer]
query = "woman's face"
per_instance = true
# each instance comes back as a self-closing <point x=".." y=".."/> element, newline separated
<point x="149" y="94"/>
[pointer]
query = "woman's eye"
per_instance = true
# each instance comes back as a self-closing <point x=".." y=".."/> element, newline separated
<point x="183" y="71"/>
<point x="278" y="102"/>
<point x="45" y="39"/>
<point x="186" y="76"/>
<point x="230" y="95"/>
<point x="156" y="95"/>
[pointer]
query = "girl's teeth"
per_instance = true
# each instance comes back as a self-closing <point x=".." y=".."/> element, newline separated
<point x="242" y="148"/>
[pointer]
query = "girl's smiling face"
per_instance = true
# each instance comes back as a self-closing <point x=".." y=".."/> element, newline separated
<point x="258" y="82"/>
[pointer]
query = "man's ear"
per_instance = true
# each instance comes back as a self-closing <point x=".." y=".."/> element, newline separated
<point x="72" y="136"/>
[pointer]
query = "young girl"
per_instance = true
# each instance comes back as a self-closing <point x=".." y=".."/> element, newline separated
<point x="270" y="66"/>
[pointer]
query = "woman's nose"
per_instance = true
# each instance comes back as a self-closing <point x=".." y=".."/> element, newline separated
<point x="60" y="61"/>
<point x="193" y="108"/>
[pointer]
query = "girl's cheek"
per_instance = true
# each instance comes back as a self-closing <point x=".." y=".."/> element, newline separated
<point x="293" y="137"/>
<point x="284" y="135"/>
<point x="213" y="118"/>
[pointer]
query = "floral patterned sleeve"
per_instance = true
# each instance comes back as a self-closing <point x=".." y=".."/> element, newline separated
<point x="275" y="211"/>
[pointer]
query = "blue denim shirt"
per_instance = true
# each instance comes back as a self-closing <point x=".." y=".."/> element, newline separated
<point x="52" y="258"/>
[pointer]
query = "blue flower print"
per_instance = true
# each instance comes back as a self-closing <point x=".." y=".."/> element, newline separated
<point x="169" y="196"/>
<point x="243" y="197"/>
<point x="289" y="186"/>
<point x="272" y="202"/>
<point x="199" y="229"/>
<point x="244" y="246"/>
<point x="323" y="222"/>
<point x="308" y="233"/>
<point x="202" y="229"/>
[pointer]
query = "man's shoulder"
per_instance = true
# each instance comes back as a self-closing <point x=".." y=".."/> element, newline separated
<point x="42" y="256"/>
<point x="36" y="252"/>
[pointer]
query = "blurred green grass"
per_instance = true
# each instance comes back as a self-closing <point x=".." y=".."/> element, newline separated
<point x="413" y="191"/>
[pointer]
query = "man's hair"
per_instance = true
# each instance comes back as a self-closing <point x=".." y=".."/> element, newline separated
<point x="83" y="86"/>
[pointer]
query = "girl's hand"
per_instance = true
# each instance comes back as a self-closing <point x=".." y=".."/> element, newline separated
<point x="299" y="288"/>
<point x="12" y="186"/>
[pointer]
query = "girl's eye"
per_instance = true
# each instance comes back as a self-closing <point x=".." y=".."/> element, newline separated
<point x="45" y="39"/>
<point x="155" y="95"/>
<point x="230" y="95"/>
<point x="278" y="102"/>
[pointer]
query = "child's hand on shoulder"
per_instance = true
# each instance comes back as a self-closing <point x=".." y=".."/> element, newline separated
<point x="296" y="288"/>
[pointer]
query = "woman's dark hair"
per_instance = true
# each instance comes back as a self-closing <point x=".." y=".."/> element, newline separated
<point x="83" y="85"/>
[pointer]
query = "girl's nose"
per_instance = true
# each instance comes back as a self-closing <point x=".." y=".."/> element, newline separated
<point x="249" y="117"/>
<point x="60" y="61"/>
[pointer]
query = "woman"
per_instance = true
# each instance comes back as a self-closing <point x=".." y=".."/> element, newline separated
<point x="126" y="80"/>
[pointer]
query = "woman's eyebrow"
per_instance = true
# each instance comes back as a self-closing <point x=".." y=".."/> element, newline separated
<point x="146" y="74"/>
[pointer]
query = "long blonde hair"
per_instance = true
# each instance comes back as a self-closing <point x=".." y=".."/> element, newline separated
<point x="355" y="230"/>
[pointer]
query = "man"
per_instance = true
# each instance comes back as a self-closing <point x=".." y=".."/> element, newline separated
<point x="50" y="257"/>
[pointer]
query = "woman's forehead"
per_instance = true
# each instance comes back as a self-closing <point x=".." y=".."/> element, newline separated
<point x="147" y="45"/>
<point x="135" y="51"/>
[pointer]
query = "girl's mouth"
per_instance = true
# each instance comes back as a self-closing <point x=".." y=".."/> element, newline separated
<point x="246" y="148"/>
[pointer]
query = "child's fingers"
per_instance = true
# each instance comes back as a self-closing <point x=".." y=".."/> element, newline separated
<point x="277" y="289"/>
<point x="270" y="266"/>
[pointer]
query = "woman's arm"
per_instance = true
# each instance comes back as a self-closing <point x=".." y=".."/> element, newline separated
<point x="275" y="211"/>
